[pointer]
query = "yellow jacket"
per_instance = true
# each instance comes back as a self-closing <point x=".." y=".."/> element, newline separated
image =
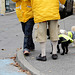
<point x="23" y="10"/>
<point x="44" y="10"/>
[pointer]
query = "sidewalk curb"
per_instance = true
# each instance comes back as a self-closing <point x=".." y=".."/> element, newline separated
<point x="8" y="13"/>
<point x="25" y="64"/>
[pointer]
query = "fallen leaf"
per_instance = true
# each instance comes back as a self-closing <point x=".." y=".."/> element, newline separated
<point x="24" y="70"/>
<point x="3" y="49"/>
<point x="11" y="63"/>
<point x="17" y="65"/>
<point x="20" y="68"/>
<point x="13" y="58"/>
<point x="21" y="48"/>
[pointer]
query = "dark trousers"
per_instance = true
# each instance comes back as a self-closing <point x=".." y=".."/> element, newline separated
<point x="27" y="30"/>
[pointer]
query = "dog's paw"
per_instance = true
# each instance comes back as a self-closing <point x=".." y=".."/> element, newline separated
<point x="58" y="51"/>
<point x="50" y="52"/>
<point x="62" y="53"/>
<point x="66" y="53"/>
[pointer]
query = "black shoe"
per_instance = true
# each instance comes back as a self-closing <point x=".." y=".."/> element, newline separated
<point x="54" y="56"/>
<point x="41" y="58"/>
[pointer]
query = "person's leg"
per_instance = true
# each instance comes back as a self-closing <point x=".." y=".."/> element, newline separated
<point x="54" y="43"/>
<point x="25" y="51"/>
<point x="54" y="37"/>
<point x="28" y="34"/>
<point x="41" y="37"/>
<point x="48" y="34"/>
<point x="28" y="41"/>
<point x="43" y="48"/>
<point x="23" y="27"/>
<point x="30" y="24"/>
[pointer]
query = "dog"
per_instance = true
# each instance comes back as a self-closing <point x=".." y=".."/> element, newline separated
<point x="64" y="40"/>
<point x="64" y="44"/>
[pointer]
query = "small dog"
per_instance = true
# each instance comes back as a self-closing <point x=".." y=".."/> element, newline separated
<point x="64" y="44"/>
<point x="64" y="40"/>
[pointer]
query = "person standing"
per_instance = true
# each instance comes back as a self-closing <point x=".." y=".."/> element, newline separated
<point x="24" y="14"/>
<point x="46" y="11"/>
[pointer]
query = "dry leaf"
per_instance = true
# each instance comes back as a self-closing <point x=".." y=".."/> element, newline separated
<point x="20" y="69"/>
<point x="11" y="63"/>
<point x="3" y="49"/>
<point x="21" y="48"/>
<point x="13" y="58"/>
<point x="17" y="65"/>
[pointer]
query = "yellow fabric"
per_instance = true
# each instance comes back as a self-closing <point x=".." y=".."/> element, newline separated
<point x="70" y="34"/>
<point x="66" y="37"/>
<point x="44" y="10"/>
<point x="23" y="10"/>
<point x="26" y="10"/>
<point x="16" y="0"/>
<point x="62" y="1"/>
<point x="19" y="10"/>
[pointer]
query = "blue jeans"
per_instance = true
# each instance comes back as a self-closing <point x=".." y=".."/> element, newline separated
<point x="27" y="30"/>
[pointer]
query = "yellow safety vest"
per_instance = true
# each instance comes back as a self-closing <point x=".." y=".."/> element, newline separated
<point x="66" y="37"/>
<point x="70" y="34"/>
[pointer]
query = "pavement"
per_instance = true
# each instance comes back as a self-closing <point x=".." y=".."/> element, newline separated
<point x="64" y="65"/>
<point x="7" y="69"/>
<point x="11" y="39"/>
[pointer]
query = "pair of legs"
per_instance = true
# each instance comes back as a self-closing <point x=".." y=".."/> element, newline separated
<point x="28" y="40"/>
<point x="41" y="37"/>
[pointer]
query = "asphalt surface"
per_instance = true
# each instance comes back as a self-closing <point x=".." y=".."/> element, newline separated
<point x="10" y="41"/>
<point x="64" y="65"/>
<point x="7" y="69"/>
<point x="11" y="38"/>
